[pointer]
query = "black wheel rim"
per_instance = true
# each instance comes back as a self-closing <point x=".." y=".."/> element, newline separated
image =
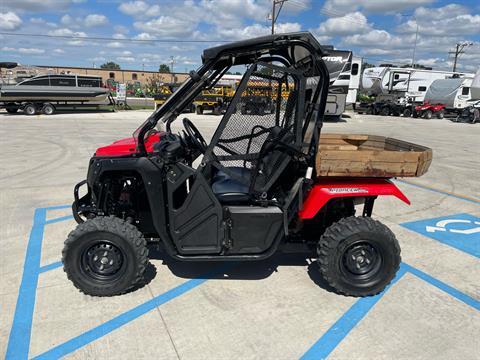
<point x="361" y="262"/>
<point x="103" y="261"/>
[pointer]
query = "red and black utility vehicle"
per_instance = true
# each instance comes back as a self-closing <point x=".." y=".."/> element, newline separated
<point x="258" y="187"/>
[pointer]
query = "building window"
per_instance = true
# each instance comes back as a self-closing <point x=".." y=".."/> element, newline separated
<point x="466" y="90"/>
<point x="111" y="75"/>
<point x="422" y="88"/>
<point x="134" y="76"/>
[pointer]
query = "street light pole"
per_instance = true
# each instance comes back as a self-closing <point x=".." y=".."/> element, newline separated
<point x="415" y="45"/>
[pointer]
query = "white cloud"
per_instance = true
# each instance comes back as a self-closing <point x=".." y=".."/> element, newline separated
<point x="351" y="23"/>
<point x="144" y="36"/>
<point x="95" y="20"/>
<point x="167" y="26"/>
<point x="139" y="8"/>
<point x="115" y="44"/>
<point x="91" y="20"/>
<point x="9" y="21"/>
<point x="58" y="51"/>
<point x="378" y="38"/>
<point x="126" y="59"/>
<point x="452" y="19"/>
<point x="340" y="7"/>
<point x="255" y="30"/>
<point x="29" y="51"/>
<point x="66" y="32"/>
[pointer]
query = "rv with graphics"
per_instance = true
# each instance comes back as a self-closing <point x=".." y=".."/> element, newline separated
<point x="344" y="70"/>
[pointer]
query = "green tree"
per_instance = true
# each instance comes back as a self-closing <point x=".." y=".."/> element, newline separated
<point x="110" y="65"/>
<point x="164" y="68"/>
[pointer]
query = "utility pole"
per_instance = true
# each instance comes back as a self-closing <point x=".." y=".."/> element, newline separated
<point x="275" y="16"/>
<point x="459" y="49"/>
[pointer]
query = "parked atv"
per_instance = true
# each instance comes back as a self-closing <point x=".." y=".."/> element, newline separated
<point x="427" y="111"/>
<point x="470" y="114"/>
<point x="255" y="191"/>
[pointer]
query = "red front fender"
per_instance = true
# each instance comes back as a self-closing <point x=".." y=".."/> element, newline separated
<point x="325" y="190"/>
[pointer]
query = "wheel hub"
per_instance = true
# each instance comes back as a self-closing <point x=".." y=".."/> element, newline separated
<point x="360" y="259"/>
<point x="103" y="259"/>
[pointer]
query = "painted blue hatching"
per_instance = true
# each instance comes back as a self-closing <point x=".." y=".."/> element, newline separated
<point x="338" y="331"/>
<point x="350" y="319"/>
<point x="19" y="340"/>
<point x="51" y="266"/>
<point x="58" y="219"/>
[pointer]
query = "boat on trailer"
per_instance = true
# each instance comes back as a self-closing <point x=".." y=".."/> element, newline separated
<point x="56" y="87"/>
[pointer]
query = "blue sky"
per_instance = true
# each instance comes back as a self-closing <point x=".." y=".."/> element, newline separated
<point x="378" y="30"/>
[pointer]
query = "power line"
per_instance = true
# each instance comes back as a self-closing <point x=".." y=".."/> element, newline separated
<point x="100" y="38"/>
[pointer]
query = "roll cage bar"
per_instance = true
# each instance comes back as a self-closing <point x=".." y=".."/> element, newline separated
<point x="281" y="48"/>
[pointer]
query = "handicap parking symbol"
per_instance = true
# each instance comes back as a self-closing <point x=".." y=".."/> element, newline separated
<point x="461" y="231"/>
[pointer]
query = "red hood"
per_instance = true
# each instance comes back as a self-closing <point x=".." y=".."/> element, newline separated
<point x="127" y="146"/>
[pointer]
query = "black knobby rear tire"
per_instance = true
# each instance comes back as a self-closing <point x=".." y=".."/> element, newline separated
<point x="105" y="256"/>
<point x="428" y="114"/>
<point x="440" y="114"/>
<point x="407" y="113"/>
<point x="345" y="247"/>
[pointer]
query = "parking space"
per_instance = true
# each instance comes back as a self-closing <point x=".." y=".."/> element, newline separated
<point x="275" y="309"/>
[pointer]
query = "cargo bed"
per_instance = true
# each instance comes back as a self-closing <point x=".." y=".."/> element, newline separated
<point x="344" y="155"/>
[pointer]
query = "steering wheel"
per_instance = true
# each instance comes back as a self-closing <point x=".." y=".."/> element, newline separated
<point x="195" y="135"/>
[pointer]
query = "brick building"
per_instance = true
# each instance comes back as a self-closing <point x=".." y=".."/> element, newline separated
<point x="121" y="76"/>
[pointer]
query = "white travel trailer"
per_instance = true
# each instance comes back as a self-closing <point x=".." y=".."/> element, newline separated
<point x="412" y="83"/>
<point x="344" y="70"/>
<point x="453" y="93"/>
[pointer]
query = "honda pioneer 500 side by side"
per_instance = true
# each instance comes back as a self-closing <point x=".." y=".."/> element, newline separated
<point x="255" y="191"/>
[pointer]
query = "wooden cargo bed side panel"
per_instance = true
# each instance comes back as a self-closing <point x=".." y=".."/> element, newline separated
<point x="370" y="156"/>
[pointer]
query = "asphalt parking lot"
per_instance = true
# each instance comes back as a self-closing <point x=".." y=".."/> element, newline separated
<point x="274" y="309"/>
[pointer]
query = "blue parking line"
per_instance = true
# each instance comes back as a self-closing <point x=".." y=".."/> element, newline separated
<point x="334" y="336"/>
<point x="338" y="331"/>
<point x="19" y="339"/>
<point x="58" y="219"/>
<point x="122" y="319"/>
<point x="444" y="287"/>
<point x="58" y="207"/>
<point x="474" y="201"/>
<point x="51" y="266"/>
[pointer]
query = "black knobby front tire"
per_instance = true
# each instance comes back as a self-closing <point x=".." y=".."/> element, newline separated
<point x="109" y="242"/>
<point x="345" y="247"/>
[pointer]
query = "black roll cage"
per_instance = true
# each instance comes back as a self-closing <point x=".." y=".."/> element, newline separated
<point x="249" y="51"/>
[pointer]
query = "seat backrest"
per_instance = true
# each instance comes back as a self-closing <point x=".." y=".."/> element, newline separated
<point x="250" y="126"/>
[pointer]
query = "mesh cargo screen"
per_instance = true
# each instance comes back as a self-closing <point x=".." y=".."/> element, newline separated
<point x="267" y="103"/>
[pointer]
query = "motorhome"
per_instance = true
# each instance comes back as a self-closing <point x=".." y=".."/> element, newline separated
<point x="345" y="74"/>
